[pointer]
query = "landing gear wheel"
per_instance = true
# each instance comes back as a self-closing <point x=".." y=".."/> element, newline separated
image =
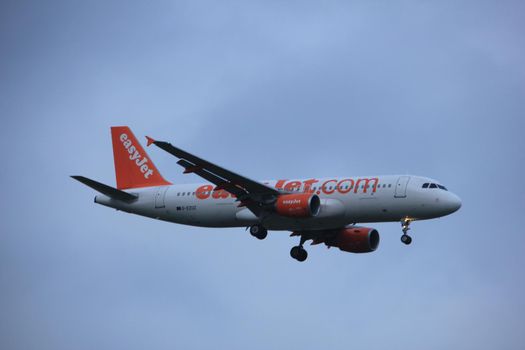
<point x="258" y="232"/>
<point x="299" y="253"/>
<point x="405" y="227"/>
<point x="406" y="239"/>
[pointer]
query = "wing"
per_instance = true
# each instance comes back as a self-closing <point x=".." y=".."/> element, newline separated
<point x="252" y="194"/>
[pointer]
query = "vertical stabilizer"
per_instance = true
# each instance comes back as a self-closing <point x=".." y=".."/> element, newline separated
<point x="133" y="167"/>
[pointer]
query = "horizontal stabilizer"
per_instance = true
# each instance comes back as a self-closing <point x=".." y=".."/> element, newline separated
<point x="107" y="190"/>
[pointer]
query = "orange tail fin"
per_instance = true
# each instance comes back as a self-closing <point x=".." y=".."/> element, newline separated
<point x="133" y="167"/>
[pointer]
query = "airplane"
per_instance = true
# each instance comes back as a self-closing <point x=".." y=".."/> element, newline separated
<point x="321" y="210"/>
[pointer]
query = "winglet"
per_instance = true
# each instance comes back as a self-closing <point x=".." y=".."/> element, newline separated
<point x="150" y="141"/>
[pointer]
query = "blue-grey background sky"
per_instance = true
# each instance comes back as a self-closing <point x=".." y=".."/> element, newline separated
<point x="270" y="89"/>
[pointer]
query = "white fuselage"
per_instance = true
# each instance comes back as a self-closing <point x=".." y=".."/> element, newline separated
<point x="344" y="201"/>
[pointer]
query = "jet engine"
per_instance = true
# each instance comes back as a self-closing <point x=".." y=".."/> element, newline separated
<point x="354" y="240"/>
<point x="300" y="205"/>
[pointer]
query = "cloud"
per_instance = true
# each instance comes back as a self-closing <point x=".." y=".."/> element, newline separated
<point x="268" y="89"/>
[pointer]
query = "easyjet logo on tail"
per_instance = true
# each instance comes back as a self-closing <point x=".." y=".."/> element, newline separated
<point x="133" y="167"/>
<point x="135" y="155"/>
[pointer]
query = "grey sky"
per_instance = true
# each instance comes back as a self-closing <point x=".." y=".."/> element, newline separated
<point x="269" y="89"/>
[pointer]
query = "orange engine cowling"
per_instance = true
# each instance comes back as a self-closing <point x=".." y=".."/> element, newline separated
<point x="300" y="205"/>
<point x="355" y="240"/>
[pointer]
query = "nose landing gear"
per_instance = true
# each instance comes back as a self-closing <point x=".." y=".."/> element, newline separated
<point x="405" y="238"/>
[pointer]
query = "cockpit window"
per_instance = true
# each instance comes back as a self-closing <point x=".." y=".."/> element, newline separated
<point x="431" y="185"/>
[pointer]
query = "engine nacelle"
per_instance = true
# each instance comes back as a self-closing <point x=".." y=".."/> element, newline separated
<point x="300" y="205"/>
<point x="355" y="240"/>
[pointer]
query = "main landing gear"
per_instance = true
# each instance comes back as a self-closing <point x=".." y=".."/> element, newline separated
<point x="298" y="252"/>
<point x="258" y="231"/>
<point x="405" y="238"/>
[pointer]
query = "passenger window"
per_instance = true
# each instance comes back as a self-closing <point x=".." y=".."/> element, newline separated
<point x="178" y="194"/>
<point x="433" y="186"/>
<point x="425" y="185"/>
<point x="389" y="185"/>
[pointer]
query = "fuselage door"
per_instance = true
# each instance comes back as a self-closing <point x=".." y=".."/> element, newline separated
<point x="401" y="187"/>
<point x="160" y="197"/>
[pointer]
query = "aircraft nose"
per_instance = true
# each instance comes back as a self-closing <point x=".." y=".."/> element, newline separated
<point x="453" y="202"/>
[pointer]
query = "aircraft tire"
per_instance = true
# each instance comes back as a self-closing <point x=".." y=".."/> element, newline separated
<point x="298" y="253"/>
<point x="406" y="239"/>
<point x="258" y="231"/>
